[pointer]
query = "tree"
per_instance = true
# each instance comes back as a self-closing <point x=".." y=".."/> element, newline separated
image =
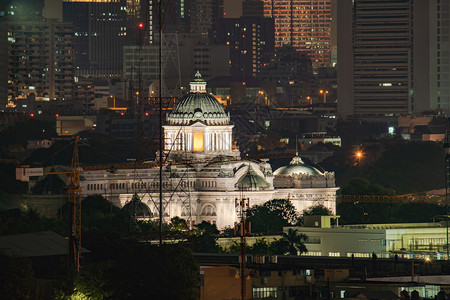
<point x="272" y="216"/>
<point x="142" y="272"/>
<point x="204" y="238"/>
<point x="393" y="163"/>
<point x="317" y="210"/>
<point x="208" y="228"/>
<point x="279" y="247"/>
<point x="235" y="248"/>
<point x="362" y="186"/>
<point x="204" y="243"/>
<point x="17" y="278"/>
<point x="295" y="241"/>
<point x="261" y="246"/>
<point x="178" y="224"/>
<point x="284" y="208"/>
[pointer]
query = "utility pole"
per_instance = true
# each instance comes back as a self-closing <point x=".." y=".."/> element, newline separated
<point x="447" y="178"/>
<point x="161" y="133"/>
<point x="243" y="229"/>
<point x="75" y="200"/>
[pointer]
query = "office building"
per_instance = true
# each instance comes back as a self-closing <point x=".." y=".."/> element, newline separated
<point x="253" y="8"/>
<point x="248" y="39"/>
<point x="286" y="67"/>
<point x="303" y="24"/>
<point x="200" y="16"/>
<point x="40" y="60"/>
<point x="99" y="35"/>
<point x="197" y="55"/>
<point x="393" y="57"/>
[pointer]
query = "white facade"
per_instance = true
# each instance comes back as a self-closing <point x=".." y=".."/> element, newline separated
<point x="204" y="175"/>
<point x="385" y="240"/>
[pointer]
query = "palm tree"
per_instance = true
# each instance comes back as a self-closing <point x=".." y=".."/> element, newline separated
<point x="296" y="241"/>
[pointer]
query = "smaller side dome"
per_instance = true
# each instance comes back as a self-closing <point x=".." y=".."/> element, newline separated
<point x="137" y="209"/>
<point x="297" y="166"/>
<point x="51" y="184"/>
<point x="251" y="181"/>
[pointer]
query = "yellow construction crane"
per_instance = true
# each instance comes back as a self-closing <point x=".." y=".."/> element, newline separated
<point x="74" y="248"/>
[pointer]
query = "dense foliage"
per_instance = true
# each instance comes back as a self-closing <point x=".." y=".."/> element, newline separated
<point x="373" y="213"/>
<point x="403" y="166"/>
<point x="272" y="216"/>
<point x="291" y="243"/>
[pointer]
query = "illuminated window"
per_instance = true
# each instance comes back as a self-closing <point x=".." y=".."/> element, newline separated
<point x="198" y="141"/>
<point x="264" y="292"/>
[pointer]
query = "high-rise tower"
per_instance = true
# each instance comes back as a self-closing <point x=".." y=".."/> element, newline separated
<point x="248" y="38"/>
<point x="40" y="59"/>
<point x="393" y="56"/>
<point x="303" y="24"/>
<point x="100" y="33"/>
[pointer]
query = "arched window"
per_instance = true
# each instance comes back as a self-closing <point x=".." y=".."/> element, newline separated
<point x="208" y="210"/>
<point x="184" y="212"/>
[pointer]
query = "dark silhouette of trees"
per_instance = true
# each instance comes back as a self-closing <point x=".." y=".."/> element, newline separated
<point x="16" y="279"/>
<point x="141" y="271"/>
<point x="272" y="216"/>
<point x="362" y="186"/>
<point x="317" y="210"/>
<point x="295" y="241"/>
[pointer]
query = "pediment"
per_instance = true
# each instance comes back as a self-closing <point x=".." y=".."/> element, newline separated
<point x="199" y="124"/>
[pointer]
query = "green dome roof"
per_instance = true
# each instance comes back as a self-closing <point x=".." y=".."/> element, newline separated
<point x="137" y="209"/>
<point x="198" y="106"/>
<point x="297" y="166"/>
<point x="251" y="180"/>
<point x="51" y="184"/>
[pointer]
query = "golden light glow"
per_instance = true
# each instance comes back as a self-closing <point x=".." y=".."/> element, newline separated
<point x="198" y="141"/>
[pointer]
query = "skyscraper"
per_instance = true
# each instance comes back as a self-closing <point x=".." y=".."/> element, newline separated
<point x="201" y="15"/>
<point x="393" y="56"/>
<point x="303" y="24"/>
<point x="40" y="59"/>
<point x="248" y="39"/>
<point x="100" y="32"/>
<point x="252" y="8"/>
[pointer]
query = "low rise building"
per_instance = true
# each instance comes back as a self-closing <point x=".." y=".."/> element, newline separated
<point x="312" y="138"/>
<point x="403" y="240"/>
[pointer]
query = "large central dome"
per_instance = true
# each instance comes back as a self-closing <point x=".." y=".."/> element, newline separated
<point x="198" y="105"/>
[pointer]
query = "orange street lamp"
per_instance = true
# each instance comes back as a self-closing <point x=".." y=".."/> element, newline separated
<point x="324" y="95"/>
<point x="358" y="155"/>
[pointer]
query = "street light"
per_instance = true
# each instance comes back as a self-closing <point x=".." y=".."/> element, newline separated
<point x="358" y="155"/>
<point x="324" y="95"/>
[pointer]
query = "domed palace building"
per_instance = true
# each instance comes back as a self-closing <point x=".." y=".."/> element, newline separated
<point x="203" y="175"/>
